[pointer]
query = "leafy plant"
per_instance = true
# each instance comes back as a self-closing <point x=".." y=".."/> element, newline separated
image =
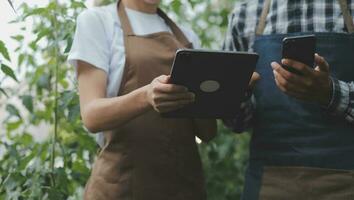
<point x="55" y="168"/>
<point x="5" y="69"/>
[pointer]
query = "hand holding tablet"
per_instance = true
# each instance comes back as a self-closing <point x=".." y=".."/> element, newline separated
<point x="219" y="80"/>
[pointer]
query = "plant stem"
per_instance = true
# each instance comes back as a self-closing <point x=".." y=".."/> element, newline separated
<point x="56" y="70"/>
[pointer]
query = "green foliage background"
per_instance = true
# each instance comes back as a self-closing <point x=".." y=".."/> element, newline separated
<point x="58" y="167"/>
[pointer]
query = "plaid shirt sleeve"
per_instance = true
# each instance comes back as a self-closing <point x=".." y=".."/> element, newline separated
<point x="342" y="103"/>
<point x="235" y="42"/>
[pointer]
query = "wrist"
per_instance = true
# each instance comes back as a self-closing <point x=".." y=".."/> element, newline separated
<point x="340" y="98"/>
<point x="142" y="98"/>
<point x="327" y="99"/>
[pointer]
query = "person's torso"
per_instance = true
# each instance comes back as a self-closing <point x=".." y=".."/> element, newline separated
<point x="142" y="24"/>
<point x="108" y="16"/>
<point x="288" y="131"/>
<point x="286" y="16"/>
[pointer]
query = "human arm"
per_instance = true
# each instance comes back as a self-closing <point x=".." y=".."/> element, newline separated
<point x="243" y="120"/>
<point x="317" y="86"/>
<point x="342" y="103"/>
<point x="100" y="113"/>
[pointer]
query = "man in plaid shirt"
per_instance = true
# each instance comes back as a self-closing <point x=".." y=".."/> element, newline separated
<point x="303" y="125"/>
<point x="314" y="16"/>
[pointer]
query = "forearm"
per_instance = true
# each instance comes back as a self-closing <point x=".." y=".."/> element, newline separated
<point x="108" y="113"/>
<point x="342" y="103"/>
<point x="244" y="118"/>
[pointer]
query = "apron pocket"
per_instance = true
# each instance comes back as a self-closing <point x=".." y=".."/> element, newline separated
<point x="293" y="183"/>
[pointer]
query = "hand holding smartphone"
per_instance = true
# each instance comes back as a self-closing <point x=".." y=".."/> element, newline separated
<point x="301" y="49"/>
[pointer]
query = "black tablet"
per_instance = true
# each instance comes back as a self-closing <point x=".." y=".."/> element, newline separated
<point x="219" y="80"/>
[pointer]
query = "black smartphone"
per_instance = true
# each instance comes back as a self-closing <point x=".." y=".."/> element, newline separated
<point x="301" y="49"/>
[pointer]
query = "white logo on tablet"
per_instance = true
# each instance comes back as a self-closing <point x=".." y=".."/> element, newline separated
<point x="209" y="86"/>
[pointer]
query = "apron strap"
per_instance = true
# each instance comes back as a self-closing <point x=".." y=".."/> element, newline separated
<point x="175" y="29"/>
<point x="348" y="19"/>
<point x="343" y="6"/>
<point x="124" y="20"/>
<point x="128" y="30"/>
<point x="263" y="18"/>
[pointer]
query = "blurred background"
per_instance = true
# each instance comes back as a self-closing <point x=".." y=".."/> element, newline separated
<point x="45" y="153"/>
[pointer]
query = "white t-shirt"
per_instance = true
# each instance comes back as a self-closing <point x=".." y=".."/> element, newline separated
<point x="99" y="41"/>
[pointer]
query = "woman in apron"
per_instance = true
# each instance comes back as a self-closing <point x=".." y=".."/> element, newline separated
<point x="143" y="156"/>
<point x="297" y="151"/>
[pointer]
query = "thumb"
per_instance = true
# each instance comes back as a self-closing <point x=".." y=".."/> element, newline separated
<point x="255" y="77"/>
<point x="163" y="79"/>
<point x="321" y="63"/>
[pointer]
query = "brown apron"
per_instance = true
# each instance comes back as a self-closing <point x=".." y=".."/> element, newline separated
<point x="306" y="183"/>
<point x="149" y="158"/>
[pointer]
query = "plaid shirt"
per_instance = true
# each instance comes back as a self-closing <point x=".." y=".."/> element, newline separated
<point x="289" y="16"/>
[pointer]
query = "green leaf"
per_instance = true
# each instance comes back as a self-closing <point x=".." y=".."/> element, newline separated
<point x="11" y="126"/>
<point x="27" y="101"/>
<point x="176" y="5"/>
<point x="78" y="5"/>
<point x="12" y="110"/>
<point x="21" y="57"/>
<point x="24" y="162"/>
<point x="54" y="194"/>
<point x="33" y="45"/>
<point x="4" y="92"/>
<point x="36" y="11"/>
<point x="26" y="139"/>
<point x="66" y="36"/>
<point x="3" y="51"/>
<point x="8" y="71"/>
<point x="44" y="81"/>
<point x="64" y="83"/>
<point x="68" y="45"/>
<point x="18" y="37"/>
<point x="74" y="113"/>
<point x="66" y="98"/>
<point x="42" y="33"/>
